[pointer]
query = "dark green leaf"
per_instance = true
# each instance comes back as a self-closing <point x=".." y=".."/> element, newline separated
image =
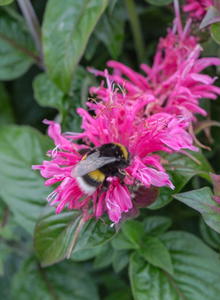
<point x="181" y="169"/>
<point x="149" y="282"/>
<point x="16" y="49"/>
<point x="215" y="32"/>
<point x="156" y="225"/>
<point x="21" y="187"/>
<point x="121" y="242"/>
<point x="156" y="254"/>
<point x="110" y="30"/>
<point x="78" y="97"/>
<point x="65" y="281"/>
<point x="47" y="93"/>
<point x="4" y="252"/>
<point x="159" y="2"/>
<point x="123" y="294"/>
<point x="114" y="285"/>
<point x="120" y="260"/>
<point x="201" y="200"/>
<point x="66" y="30"/>
<point x="86" y="254"/>
<point x="1" y="267"/>
<point x="211" y="237"/>
<point x="112" y="4"/>
<point x="133" y="231"/>
<point x="5" y="107"/>
<point x="196" y="267"/>
<point x="80" y="86"/>
<point x="54" y="235"/>
<point x="91" y="51"/>
<point x="104" y="258"/>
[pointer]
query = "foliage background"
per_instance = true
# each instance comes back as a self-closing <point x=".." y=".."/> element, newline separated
<point x="141" y="259"/>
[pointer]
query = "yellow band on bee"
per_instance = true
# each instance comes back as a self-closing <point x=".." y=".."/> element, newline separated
<point x="97" y="175"/>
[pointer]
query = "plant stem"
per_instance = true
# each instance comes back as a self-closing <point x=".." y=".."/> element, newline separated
<point x="75" y="237"/>
<point x="136" y="30"/>
<point x="32" y="22"/>
<point x="5" y="216"/>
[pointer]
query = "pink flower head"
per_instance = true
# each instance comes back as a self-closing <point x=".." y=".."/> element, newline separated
<point x="174" y="83"/>
<point x="197" y="8"/>
<point x="116" y="120"/>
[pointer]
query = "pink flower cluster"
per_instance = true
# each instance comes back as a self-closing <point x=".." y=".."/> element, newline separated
<point x="197" y="8"/>
<point x="174" y="84"/>
<point x="148" y="114"/>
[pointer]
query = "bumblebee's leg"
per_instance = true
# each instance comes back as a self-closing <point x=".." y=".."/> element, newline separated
<point x="105" y="185"/>
<point x="121" y="174"/>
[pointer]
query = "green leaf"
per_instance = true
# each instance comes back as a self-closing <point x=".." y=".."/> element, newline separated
<point x="22" y="189"/>
<point x="164" y="198"/>
<point x="4" y="253"/>
<point x="5" y="107"/>
<point x="181" y="169"/>
<point x="67" y="27"/>
<point x="196" y="267"/>
<point x="215" y="32"/>
<point x="156" y="225"/>
<point x="211" y="237"/>
<point x="201" y="200"/>
<point x="156" y="254"/>
<point x="121" y="242"/>
<point x="120" y="260"/>
<point x="47" y="93"/>
<point x="123" y="294"/>
<point x="65" y="281"/>
<point x="55" y="235"/>
<point x="6" y="2"/>
<point x="159" y="2"/>
<point x="16" y="48"/>
<point x="80" y="86"/>
<point x="104" y="258"/>
<point x="86" y="254"/>
<point x="110" y="30"/>
<point x="94" y="233"/>
<point x="133" y="231"/>
<point x="114" y="285"/>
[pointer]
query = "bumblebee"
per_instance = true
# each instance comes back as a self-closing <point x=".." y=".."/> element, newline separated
<point x="98" y="164"/>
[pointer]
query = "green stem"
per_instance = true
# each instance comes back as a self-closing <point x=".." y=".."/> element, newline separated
<point x="75" y="237"/>
<point x="5" y="216"/>
<point x="136" y="30"/>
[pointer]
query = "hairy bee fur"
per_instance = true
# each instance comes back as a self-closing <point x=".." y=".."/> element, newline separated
<point x="100" y="163"/>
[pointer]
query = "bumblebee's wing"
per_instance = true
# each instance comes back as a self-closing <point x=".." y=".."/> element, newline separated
<point x="91" y="163"/>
